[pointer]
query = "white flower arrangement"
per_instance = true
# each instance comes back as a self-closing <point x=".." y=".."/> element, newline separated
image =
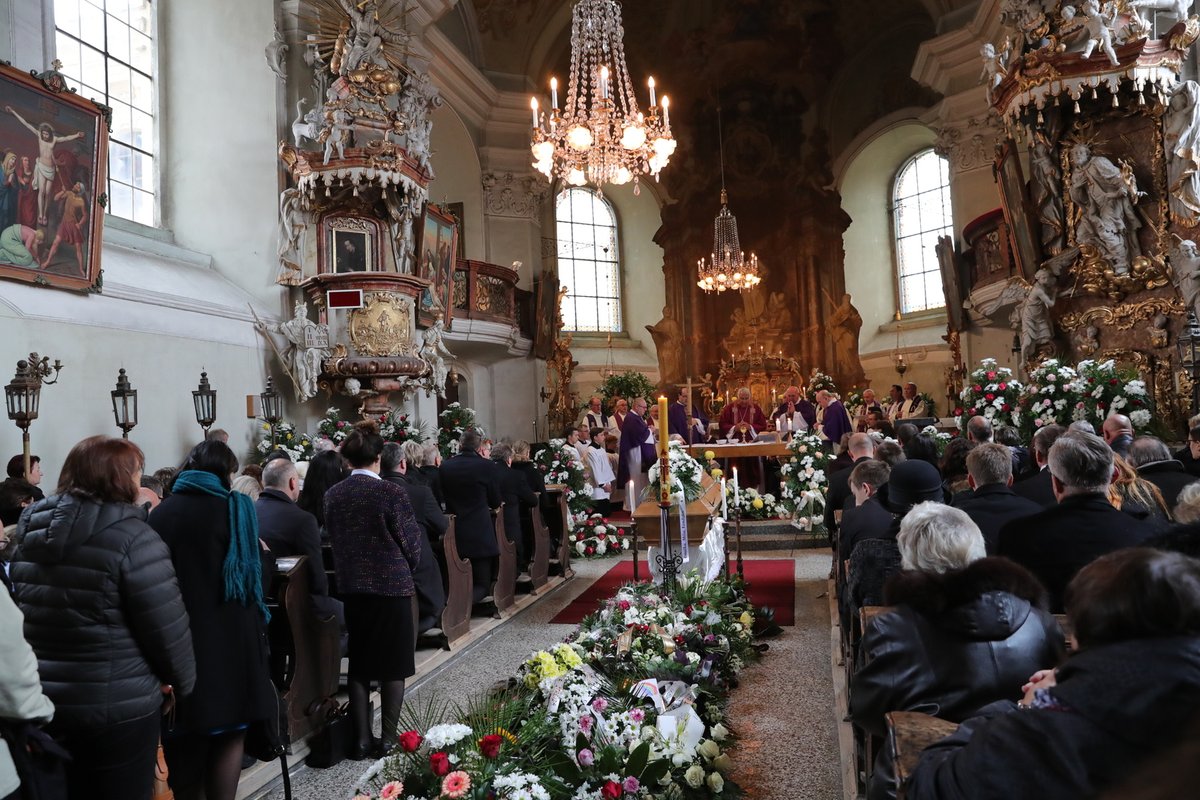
<point x="805" y="480"/>
<point x="686" y="475"/>
<point x="440" y="737"/>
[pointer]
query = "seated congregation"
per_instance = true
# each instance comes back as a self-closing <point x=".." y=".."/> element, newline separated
<point x="1042" y="604"/>
<point x="211" y="611"/>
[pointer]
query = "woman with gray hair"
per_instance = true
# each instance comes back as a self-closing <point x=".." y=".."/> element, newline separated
<point x="963" y="631"/>
<point x="427" y="469"/>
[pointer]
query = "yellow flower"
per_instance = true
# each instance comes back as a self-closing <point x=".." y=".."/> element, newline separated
<point x="717" y="473"/>
<point x="710" y="455"/>
<point x="745" y="618"/>
<point x="757" y="503"/>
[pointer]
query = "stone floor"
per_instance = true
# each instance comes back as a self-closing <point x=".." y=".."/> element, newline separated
<point x="787" y="750"/>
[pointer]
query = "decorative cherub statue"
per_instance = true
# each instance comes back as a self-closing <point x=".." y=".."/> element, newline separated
<point x="1100" y="23"/>
<point x="993" y="70"/>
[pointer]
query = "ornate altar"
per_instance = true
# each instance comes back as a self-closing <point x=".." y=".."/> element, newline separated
<point x="767" y="375"/>
<point x="1102" y="236"/>
<point x="350" y="220"/>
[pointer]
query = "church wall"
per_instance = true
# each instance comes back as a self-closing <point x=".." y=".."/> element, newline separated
<point x="865" y="184"/>
<point x="166" y="310"/>
<point x="219" y="167"/>
<point x="456" y="165"/>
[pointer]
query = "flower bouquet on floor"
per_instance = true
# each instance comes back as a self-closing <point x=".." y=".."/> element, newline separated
<point x="298" y="446"/>
<point x="1105" y="388"/>
<point x="990" y="392"/>
<point x="560" y="466"/>
<point x="451" y="424"/>
<point x="399" y="428"/>
<point x="597" y="537"/>
<point x="755" y="505"/>
<point x="1050" y="398"/>
<point x="805" y="481"/>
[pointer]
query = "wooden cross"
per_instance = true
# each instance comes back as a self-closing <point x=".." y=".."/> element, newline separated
<point x="689" y="386"/>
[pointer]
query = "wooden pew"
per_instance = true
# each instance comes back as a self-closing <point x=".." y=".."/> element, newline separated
<point x="310" y="647"/>
<point x="505" y="590"/>
<point x="909" y="733"/>
<point x="865" y="744"/>
<point x="539" y="567"/>
<point x="564" y="543"/>
<point x="456" y="616"/>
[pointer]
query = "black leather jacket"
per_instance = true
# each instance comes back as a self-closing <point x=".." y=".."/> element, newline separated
<point x="954" y="643"/>
<point x="102" y="610"/>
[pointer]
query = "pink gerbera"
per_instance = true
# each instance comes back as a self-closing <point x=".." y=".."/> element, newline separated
<point x="456" y="785"/>
<point x="390" y="790"/>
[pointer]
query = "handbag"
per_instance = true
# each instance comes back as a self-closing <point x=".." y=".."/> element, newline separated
<point x="162" y="789"/>
<point x="39" y="760"/>
<point x="329" y="746"/>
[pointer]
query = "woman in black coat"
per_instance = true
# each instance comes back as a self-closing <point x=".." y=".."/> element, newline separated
<point x="213" y="537"/>
<point x="325" y="470"/>
<point x="1127" y="694"/>
<point x="104" y="616"/>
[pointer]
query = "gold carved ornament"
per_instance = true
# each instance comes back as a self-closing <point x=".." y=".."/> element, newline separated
<point x="1123" y="317"/>
<point x="382" y="327"/>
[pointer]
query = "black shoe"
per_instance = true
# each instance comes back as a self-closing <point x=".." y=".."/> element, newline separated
<point x="382" y="748"/>
<point x="360" y="752"/>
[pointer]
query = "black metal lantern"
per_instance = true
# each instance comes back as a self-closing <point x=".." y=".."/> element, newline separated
<point x="125" y="404"/>
<point x="1188" y="343"/>
<point x="204" y="398"/>
<point x="272" y="407"/>
<point x="23" y="397"/>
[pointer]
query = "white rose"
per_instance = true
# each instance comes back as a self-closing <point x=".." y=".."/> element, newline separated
<point x="716" y="782"/>
<point x="694" y="776"/>
<point x="709" y="749"/>
<point x="719" y="732"/>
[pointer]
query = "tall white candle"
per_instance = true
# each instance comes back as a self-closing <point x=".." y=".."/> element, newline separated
<point x="653" y="100"/>
<point x="631" y="498"/>
<point x="724" y="501"/>
<point x="666" y="111"/>
<point x="554" y="92"/>
<point x="737" y="493"/>
<point x="533" y="105"/>
<point x="604" y="83"/>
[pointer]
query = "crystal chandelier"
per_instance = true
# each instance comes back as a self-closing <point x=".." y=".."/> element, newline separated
<point x="600" y="136"/>
<point x="729" y="268"/>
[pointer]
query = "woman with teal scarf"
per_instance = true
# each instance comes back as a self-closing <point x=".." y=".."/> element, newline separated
<point x="213" y="537"/>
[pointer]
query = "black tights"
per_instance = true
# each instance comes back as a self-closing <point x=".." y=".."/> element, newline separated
<point x="205" y="767"/>
<point x="360" y="709"/>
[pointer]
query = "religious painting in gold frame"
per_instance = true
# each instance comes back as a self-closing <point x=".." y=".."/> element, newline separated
<point x="951" y="281"/>
<point x="436" y="260"/>
<point x="54" y="164"/>
<point x="1014" y="200"/>
<point x="349" y="243"/>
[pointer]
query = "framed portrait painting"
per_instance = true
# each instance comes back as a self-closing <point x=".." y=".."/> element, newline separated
<point x="53" y="166"/>
<point x="437" y="257"/>
<point x="349" y="244"/>
<point x="1014" y="199"/>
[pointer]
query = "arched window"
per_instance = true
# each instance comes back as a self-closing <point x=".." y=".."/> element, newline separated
<point x="588" y="262"/>
<point x="107" y="51"/>
<point x="922" y="213"/>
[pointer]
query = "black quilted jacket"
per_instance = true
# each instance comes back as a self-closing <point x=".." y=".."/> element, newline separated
<point x="102" y="610"/>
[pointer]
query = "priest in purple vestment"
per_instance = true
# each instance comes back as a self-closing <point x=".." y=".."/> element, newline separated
<point x="677" y="422"/>
<point x="836" y="421"/>
<point x="635" y="454"/>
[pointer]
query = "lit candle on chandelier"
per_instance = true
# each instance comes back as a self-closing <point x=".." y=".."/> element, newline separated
<point x="666" y="111"/>
<point x="554" y="93"/>
<point x="604" y="83"/>
<point x="653" y="100"/>
<point x="533" y="104"/>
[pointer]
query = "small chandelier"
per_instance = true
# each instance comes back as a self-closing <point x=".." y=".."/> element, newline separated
<point x="600" y="136"/>
<point x="729" y="269"/>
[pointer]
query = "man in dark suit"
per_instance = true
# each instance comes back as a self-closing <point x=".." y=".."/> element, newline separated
<point x="471" y="491"/>
<point x="866" y="518"/>
<point x="515" y="491"/>
<point x="1059" y="541"/>
<point x="428" y="580"/>
<point x="1037" y="486"/>
<point x="1118" y="432"/>
<point x="291" y="531"/>
<point x="1152" y="459"/>
<point x="860" y="448"/>
<point x="993" y="503"/>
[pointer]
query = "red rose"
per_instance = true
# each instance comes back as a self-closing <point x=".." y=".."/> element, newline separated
<point x="958" y="412"/>
<point x="1003" y="386"/>
<point x="989" y="397"/>
<point x="1113" y="382"/>
<point x="410" y="741"/>
<point x="601" y="536"/>
<point x="1006" y="407"/>
<point x="490" y="745"/>
<point x="589" y="551"/>
<point x="977" y="388"/>
<point x="611" y="790"/>
<point x="579" y="537"/>
<point x="991" y="376"/>
<point x="440" y="764"/>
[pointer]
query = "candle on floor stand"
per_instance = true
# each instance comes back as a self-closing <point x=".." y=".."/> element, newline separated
<point x="663" y="432"/>
<point x="736" y="492"/>
<point x="630" y="498"/>
<point x="724" y="502"/>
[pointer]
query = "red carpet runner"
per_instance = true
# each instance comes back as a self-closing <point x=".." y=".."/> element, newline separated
<point x="771" y="582"/>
